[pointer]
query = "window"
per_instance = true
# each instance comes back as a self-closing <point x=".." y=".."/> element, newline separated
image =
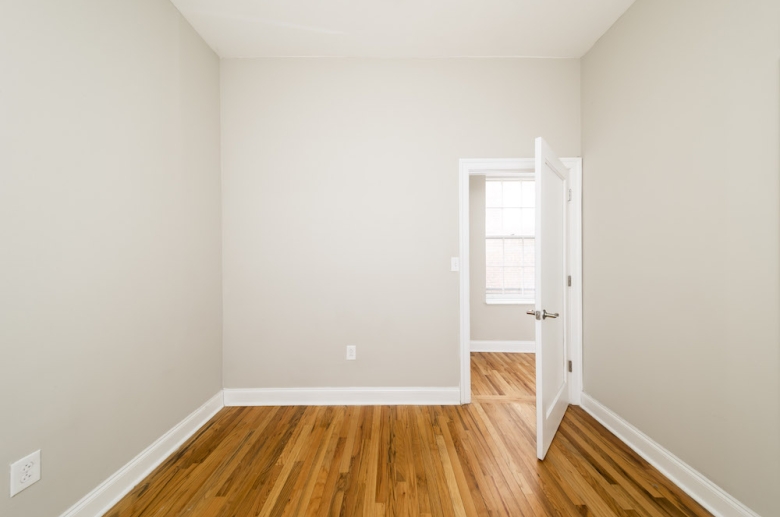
<point x="509" y="240"/>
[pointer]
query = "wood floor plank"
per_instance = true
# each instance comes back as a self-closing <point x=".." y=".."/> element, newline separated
<point x="477" y="460"/>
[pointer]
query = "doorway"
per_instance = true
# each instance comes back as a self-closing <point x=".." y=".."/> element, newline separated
<point x="514" y="292"/>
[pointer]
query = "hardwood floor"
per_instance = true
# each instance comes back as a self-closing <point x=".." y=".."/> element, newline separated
<point x="454" y="461"/>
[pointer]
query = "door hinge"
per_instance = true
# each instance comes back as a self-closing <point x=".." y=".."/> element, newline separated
<point x="569" y="195"/>
<point x="568" y="281"/>
<point x="570" y="366"/>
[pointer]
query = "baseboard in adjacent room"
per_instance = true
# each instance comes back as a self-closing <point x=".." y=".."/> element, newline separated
<point x="512" y="347"/>
<point x="705" y="492"/>
<point x="342" y="396"/>
<point x="109" y="492"/>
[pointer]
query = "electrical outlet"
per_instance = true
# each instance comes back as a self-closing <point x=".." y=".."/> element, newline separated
<point x="351" y="353"/>
<point x="25" y="472"/>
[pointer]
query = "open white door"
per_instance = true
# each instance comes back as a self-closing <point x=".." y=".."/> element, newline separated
<point x="552" y="389"/>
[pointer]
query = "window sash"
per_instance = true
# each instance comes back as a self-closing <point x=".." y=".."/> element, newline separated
<point x="515" y="262"/>
<point x="509" y="236"/>
<point x="508" y="299"/>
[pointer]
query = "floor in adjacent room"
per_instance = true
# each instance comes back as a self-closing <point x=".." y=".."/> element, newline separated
<point x="478" y="459"/>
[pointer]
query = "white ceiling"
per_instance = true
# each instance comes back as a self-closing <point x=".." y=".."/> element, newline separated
<point x="401" y="28"/>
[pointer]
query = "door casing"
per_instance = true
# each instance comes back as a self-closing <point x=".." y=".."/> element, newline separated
<point x="573" y="321"/>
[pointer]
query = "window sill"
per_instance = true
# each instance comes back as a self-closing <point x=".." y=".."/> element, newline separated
<point x="509" y="302"/>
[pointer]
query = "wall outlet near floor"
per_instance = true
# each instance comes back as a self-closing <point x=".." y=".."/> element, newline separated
<point x="25" y="472"/>
<point x="351" y="352"/>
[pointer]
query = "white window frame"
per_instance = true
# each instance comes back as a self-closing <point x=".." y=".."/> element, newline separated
<point x="508" y="299"/>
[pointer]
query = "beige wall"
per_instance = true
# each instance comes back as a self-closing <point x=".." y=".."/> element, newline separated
<point x="490" y="322"/>
<point x="681" y="124"/>
<point x="110" y="296"/>
<point x="340" y="206"/>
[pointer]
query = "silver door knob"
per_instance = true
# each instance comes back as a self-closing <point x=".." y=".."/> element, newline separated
<point x="546" y="314"/>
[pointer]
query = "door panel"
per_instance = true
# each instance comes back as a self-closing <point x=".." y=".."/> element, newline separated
<point x="552" y="390"/>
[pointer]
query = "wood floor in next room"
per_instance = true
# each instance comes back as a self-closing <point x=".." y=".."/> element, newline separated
<point x="474" y="460"/>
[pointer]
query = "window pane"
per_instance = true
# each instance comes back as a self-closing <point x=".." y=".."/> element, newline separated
<point x="494" y="252"/>
<point x="512" y="193"/>
<point x="513" y="252"/>
<point x="493" y="223"/>
<point x="493" y="193"/>
<point x="529" y="252"/>
<point x="494" y="279"/>
<point x="528" y="221"/>
<point x="529" y="193"/>
<point x="529" y="279"/>
<point x="513" y="221"/>
<point x="513" y="280"/>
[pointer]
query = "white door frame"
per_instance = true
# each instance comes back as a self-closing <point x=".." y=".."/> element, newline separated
<point x="573" y="321"/>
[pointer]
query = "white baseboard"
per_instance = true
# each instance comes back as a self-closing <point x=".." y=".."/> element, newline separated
<point x="109" y="492"/>
<point x="342" y="396"/>
<point x="695" y="484"/>
<point x="513" y="347"/>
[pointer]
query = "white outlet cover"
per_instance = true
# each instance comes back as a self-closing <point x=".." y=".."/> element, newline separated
<point x="351" y="353"/>
<point x="455" y="264"/>
<point x="25" y="472"/>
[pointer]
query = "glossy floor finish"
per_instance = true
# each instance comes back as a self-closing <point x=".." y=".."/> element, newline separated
<point x="474" y="460"/>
